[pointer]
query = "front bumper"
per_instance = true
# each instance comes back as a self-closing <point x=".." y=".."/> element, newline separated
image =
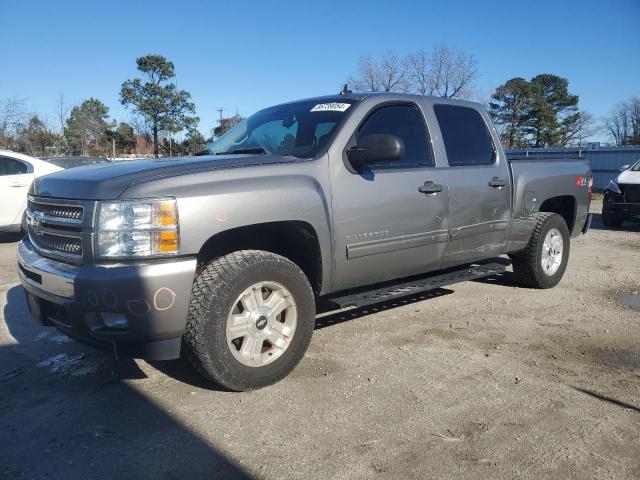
<point x="625" y="208"/>
<point x="135" y="309"/>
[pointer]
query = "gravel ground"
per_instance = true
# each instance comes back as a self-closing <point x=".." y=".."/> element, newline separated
<point x="479" y="380"/>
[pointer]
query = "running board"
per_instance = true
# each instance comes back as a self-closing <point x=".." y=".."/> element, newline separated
<point x="423" y="284"/>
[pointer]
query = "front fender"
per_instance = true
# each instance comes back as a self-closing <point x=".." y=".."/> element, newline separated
<point x="211" y="203"/>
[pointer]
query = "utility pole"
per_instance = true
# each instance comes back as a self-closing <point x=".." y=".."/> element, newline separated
<point x="113" y="148"/>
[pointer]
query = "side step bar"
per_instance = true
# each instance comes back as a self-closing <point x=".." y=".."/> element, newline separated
<point x="422" y="284"/>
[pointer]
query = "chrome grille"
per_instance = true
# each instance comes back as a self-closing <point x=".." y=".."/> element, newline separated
<point x="58" y="212"/>
<point x="61" y="228"/>
<point x="57" y="243"/>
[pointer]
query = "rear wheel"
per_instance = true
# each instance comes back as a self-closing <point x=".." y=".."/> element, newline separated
<point x="543" y="262"/>
<point x="611" y="218"/>
<point x="250" y="321"/>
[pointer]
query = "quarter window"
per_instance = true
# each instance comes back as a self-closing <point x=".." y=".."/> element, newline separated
<point x="406" y="122"/>
<point x="465" y="135"/>
<point x="12" y="167"/>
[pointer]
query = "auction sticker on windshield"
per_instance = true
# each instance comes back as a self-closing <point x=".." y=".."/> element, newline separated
<point x="331" y="107"/>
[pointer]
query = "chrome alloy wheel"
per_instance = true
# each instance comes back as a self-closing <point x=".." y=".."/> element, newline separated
<point x="261" y="324"/>
<point x="552" y="249"/>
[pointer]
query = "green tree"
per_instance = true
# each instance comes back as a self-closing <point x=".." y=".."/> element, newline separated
<point x="554" y="109"/>
<point x="510" y="108"/>
<point x="87" y="126"/>
<point x="538" y="113"/>
<point x="194" y="142"/>
<point x="35" y="137"/>
<point x="157" y="98"/>
<point x="227" y="124"/>
<point x="123" y="137"/>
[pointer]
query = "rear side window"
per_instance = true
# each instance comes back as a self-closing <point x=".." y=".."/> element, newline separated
<point x="465" y="135"/>
<point x="406" y="122"/>
<point x="12" y="167"/>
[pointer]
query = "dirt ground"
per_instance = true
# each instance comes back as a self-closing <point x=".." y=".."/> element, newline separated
<point x="478" y="380"/>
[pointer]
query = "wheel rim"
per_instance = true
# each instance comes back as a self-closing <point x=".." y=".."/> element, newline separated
<point x="261" y="324"/>
<point x="552" y="249"/>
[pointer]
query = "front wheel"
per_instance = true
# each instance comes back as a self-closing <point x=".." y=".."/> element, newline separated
<point x="543" y="262"/>
<point x="250" y="320"/>
<point x="611" y="218"/>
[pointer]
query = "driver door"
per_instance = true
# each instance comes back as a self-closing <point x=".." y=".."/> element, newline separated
<point x="385" y="226"/>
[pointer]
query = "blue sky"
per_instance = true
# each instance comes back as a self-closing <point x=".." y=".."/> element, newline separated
<point x="248" y="55"/>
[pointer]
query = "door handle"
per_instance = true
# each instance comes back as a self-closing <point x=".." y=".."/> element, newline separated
<point x="430" y="188"/>
<point x="497" y="182"/>
<point x="17" y="184"/>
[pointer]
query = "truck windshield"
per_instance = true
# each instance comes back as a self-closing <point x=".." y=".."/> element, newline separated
<point x="299" y="129"/>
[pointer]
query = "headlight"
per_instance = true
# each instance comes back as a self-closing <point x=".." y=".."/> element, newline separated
<point x="613" y="186"/>
<point x="137" y="228"/>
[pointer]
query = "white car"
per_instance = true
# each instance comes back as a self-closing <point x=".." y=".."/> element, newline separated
<point x="17" y="172"/>
<point x="622" y="197"/>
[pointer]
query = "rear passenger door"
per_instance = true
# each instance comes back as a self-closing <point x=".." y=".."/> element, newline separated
<point x="479" y="186"/>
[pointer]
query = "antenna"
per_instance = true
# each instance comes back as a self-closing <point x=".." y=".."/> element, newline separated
<point x="345" y="90"/>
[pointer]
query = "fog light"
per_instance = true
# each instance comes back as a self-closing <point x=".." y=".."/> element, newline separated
<point x="114" y="320"/>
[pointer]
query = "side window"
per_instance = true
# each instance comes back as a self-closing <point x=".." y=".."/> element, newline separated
<point x="14" y="167"/>
<point x="2" y="172"/>
<point x="406" y="122"/>
<point x="465" y="135"/>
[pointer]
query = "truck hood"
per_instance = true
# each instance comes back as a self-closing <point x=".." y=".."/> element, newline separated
<point x="108" y="181"/>
<point x="629" y="177"/>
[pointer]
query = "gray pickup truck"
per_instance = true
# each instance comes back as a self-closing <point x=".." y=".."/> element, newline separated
<point x="342" y="200"/>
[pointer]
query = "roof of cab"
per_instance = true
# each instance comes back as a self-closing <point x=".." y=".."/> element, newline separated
<point x="391" y="96"/>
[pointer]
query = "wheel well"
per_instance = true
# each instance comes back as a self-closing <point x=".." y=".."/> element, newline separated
<point x="294" y="240"/>
<point x="565" y="206"/>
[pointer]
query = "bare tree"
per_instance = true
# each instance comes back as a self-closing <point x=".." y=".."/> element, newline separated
<point x="623" y="123"/>
<point x="633" y="106"/>
<point x="144" y="131"/>
<point x="443" y="72"/>
<point x="61" y="110"/>
<point x="420" y="72"/>
<point x="14" y="115"/>
<point x="576" y="133"/>
<point x="453" y="72"/>
<point x="388" y="73"/>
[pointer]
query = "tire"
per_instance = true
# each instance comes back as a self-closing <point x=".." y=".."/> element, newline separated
<point x="23" y="224"/>
<point x="528" y="268"/>
<point x="612" y="219"/>
<point x="214" y="299"/>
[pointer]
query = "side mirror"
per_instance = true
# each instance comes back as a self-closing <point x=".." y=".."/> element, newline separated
<point x="380" y="147"/>
<point x="624" y="167"/>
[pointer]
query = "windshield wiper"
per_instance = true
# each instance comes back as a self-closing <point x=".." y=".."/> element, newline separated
<point x="257" y="150"/>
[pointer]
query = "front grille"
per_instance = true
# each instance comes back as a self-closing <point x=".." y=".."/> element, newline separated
<point x="65" y="212"/>
<point x="57" y="243"/>
<point x="631" y="193"/>
<point x="61" y="228"/>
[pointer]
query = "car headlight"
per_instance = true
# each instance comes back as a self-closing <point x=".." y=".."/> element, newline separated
<point x="613" y="186"/>
<point x="137" y="228"/>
